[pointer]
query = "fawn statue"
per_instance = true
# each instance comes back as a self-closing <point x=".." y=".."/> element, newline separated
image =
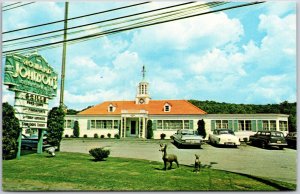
<point x="168" y="158"/>
<point x="197" y="164"/>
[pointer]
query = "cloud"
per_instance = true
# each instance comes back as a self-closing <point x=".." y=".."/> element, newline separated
<point x="280" y="8"/>
<point x="8" y="96"/>
<point x="188" y="33"/>
<point x="272" y="88"/>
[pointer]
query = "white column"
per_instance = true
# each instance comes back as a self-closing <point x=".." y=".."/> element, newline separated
<point x="144" y="127"/>
<point x="277" y="125"/>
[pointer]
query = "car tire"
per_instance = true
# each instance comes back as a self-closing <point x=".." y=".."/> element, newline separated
<point x="263" y="145"/>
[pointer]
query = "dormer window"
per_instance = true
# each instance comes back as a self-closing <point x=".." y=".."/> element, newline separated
<point x="111" y="108"/>
<point x="167" y="107"/>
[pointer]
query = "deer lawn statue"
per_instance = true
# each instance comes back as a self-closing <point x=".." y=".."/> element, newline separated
<point x="197" y="164"/>
<point x="168" y="158"/>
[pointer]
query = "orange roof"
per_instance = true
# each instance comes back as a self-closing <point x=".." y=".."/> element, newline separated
<point x="154" y="107"/>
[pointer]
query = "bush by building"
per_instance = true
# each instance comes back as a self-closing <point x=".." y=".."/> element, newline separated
<point x="117" y="136"/>
<point x="149" y="130"/>
<point x="162" y="136"/>
<point x="76" y="129"/>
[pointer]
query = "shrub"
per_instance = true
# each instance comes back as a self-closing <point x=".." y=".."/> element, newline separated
<point x="66" y="136"/>
<point x="99" y="153"/>
<point x="76" y="129"/>
<point x="149" y="130"/>
<point x="96" y="135"/>
<point x="117" y="136"/>
<point x="162" y="136"/>
<point x="10" y="132"/>
<point x="102" y="136"/>
<point x="72" y="136"/>
<point x="108" y="135"/>
<point x="84" y="136"/>
<point x="55" y="126"/>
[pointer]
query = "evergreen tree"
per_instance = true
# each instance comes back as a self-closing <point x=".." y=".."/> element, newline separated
<point x="76" y="129"/>
<point x="10" y="131"/>
<point x="55" y="125"/>
<point x="149" y="130"/>
<point x="201" y="128"/>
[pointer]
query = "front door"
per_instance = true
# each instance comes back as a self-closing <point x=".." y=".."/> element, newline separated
<point x="133" y="127"/>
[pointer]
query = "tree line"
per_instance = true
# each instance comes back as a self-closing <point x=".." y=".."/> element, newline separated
<point x="212" y="107"/>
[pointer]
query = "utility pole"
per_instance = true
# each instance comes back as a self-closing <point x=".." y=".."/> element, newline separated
<point x="62" y="83"/>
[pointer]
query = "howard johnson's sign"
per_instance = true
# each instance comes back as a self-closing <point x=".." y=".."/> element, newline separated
<point x="30" y="74"/>
<point x="34" y="83"/>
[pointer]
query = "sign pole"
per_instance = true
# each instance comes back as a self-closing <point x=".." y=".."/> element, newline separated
<point x="40" y="141"/>
<point x="62" y="83"/>
<point x="19" y="145"/>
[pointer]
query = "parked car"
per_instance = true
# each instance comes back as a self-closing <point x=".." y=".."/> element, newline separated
<point x="30" y="142"/>
<point x="291" y="139"/>
<point x="224" y="137"/>
<point x="187" y="137"/>
<point x="267" y="139"/>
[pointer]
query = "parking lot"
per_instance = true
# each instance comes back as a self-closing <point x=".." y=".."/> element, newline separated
<point x="270" y="163"/>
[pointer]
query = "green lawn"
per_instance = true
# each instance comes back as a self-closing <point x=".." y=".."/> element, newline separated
<point x="75" y="171"/>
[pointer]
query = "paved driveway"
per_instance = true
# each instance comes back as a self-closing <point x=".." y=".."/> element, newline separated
<point x="274" y="164"/>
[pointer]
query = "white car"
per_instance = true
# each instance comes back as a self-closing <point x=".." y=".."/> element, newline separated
<point x="187" y="137"/>
<point x="224" y="137"/>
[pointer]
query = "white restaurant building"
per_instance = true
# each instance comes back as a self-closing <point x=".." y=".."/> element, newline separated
<point x="129" y="118"/>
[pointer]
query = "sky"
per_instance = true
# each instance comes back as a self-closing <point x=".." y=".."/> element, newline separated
<point x="245" y="55"/>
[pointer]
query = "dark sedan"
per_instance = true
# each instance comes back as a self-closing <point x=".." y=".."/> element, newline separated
<point x="267" y="139"/>
<point x="30" y="142"/>
<point x="291" y="139"/>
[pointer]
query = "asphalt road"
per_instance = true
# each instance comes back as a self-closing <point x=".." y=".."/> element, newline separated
<point x="270" y="163"/>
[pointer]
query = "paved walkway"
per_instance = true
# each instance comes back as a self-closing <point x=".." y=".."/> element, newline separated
<point x="275" y="164"/>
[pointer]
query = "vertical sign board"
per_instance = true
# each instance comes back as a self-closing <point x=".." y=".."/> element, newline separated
<point x="34" y="83"/>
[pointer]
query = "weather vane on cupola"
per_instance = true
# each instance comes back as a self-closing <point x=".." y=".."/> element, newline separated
<point x="144" y="72"/>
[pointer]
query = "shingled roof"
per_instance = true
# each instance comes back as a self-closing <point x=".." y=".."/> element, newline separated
<point x="154" y="107"/>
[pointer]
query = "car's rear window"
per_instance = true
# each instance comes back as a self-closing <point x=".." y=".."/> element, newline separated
<point x="187" y="133"/>
<point x="277" y="134"/>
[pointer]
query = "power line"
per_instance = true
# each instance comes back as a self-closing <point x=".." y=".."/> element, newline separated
<point x="11" y="4"/>
<point x="197" y="7"/>
<point x="103" y="21"/>
<point x="17" y="6"/>
<point x="129" y="28"/>
<point x="58" y="21"/>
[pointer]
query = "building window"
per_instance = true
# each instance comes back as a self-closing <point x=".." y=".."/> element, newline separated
<point x="186" y="124"/>
<point x="116" y="124"/>
<point x="224" y="124"/>
<point x="266" y="125"/>
<point x="167" y="108"/>
<point x="218" y="124"/>
<point x="111" y="109"/>
<point x="248" y="125"/>
<point x="283" y="125"/>
<point x="273" y="125"/>
<point x="169" y="124"/>
<point x="159" y="124"/>
<point x="93" y="124"/>
<point x="102" y="124"/>
<point x="241" y="126"/>
<point x="68" y="123"/>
